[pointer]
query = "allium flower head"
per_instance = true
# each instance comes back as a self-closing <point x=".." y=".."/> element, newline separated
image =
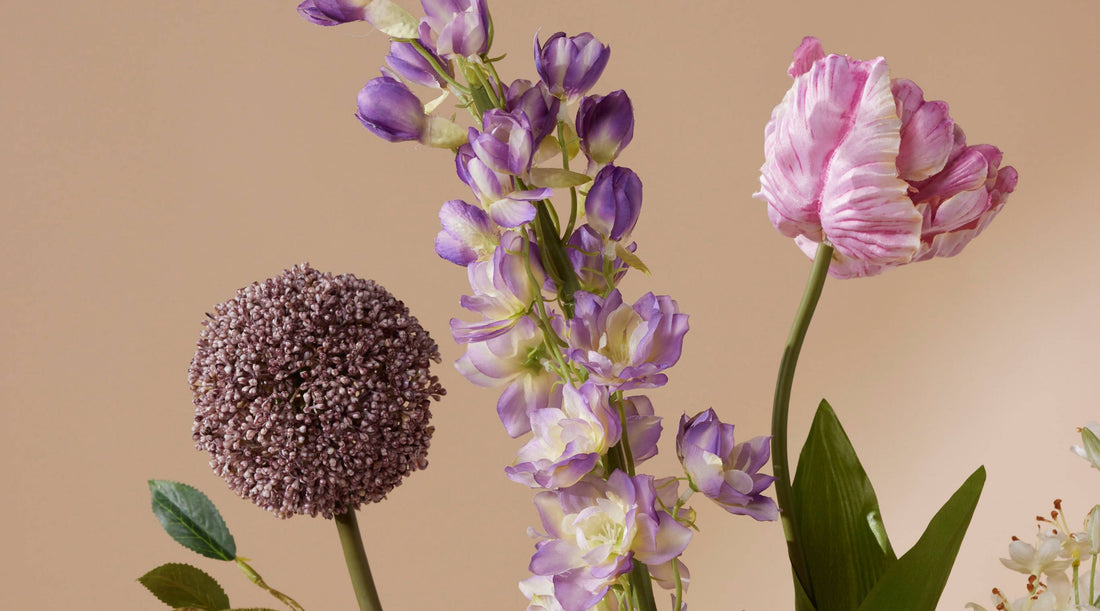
<point x="313" y="392"/>
<point x="865" y="163"/>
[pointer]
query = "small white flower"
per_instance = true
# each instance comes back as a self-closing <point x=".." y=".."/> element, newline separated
<point x="1026" y="559"/>
<point x="1090" y="440"/>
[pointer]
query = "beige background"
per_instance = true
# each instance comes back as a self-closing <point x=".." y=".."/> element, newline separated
<point x="158" y="155"/>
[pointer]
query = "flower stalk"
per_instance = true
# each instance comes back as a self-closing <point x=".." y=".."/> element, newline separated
<point x="782" y="405"/>
<point x="255" y="578"/>
<point x="355" y="555"/>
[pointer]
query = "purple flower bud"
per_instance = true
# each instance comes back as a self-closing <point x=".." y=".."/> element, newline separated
<point x="410" y="64"/>
<point x="535" y="101"/>
<point x="390" y="110"/>
<point x="570" y="66"/>
<point x="724" y="471"/>
<point x="605" y="125"/>
<point x="614" y="202"/>
<point x="460" y="27"/>
<point x="505" y="143"/>
<point x="332" y="12"/>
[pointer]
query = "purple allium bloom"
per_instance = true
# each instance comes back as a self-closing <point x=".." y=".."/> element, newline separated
<point x="614" y="202"/>
<point x="505" y="143"/>
<point x="587" y="255"/>
<point x="537" y="103"/>
<point x="605" y="125"/>
<point x="455" y="27"/>
<point x="514" y="360"/>
<point x="626" y="346"/>
<point x="866" y="163"/>
<point x="724" y="471"/>
<point x="570" y="66"/>
<point x="595" y="529"/>
<point x="467" y="235"/>
<point x="503" y="292"/>
<point x="569" y="438"/>
<point x="312" y="392"/>
<point x="410" y="64"/>
<point x="391" y="111"/>
<point x="332" y="12"/>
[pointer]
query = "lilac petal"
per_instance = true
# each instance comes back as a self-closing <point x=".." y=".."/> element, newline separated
<point x="927" y="132"/>
<point x="508" y="212"/>
<point x="555" y="556"/>
<point x="466" y="332"/>
<point x="805" y="55"/>
<point x="453" y="250"/>
<point x="643" y="432"/>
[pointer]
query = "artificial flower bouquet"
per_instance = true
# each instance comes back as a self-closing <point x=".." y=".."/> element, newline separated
<point x="313" y="390"/>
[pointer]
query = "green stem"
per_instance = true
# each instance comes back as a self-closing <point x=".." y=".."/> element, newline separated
<point x="782" y="406"/>
<point x="356" y="558"/>
<point x="572" y="190"/>
<point x="1092" y="580"/>
<point x="643" y="586"/>
<point x="255" y="578"/>
<point x="678" y="605"/>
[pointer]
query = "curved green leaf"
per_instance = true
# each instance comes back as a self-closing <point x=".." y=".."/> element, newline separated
<point x="190" y="518"/>
<point x="837" y="518"/>
<point x="184" y="586"/>
<point x="915" y="582"/>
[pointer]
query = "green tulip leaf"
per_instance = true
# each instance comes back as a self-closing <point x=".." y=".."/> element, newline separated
<point x="184" y="586"/>
<point x="190" y="518"/>
<point x="837" y="518"/>
<point x="915" y="582"/>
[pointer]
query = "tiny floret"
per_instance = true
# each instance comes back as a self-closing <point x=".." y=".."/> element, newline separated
<point x="313" y="392"/>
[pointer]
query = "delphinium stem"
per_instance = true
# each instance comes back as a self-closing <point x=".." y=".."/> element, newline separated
<point x="782" y="405"/>
<point x="356" y="557"/>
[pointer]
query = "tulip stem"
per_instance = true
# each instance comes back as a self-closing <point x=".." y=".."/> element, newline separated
<point x="782" y="405"/>
<point x="355" y="555"/>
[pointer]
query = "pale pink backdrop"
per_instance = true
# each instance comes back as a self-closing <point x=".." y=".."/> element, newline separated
<point x="158" y="155"/>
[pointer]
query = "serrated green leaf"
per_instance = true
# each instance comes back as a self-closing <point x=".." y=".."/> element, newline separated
<point x="184" y="586"/>
<point x="915" y="582"/>
<point x="837" y="517"/>
<point x="190" y="518"/>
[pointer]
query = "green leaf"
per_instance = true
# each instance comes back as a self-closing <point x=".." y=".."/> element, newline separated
<point x="182" y="585"/>
<point x="557" y="178"/>
<point x="802" y="602"/>
<point x="837" y="517"/>
<point x="915" y="582"/>
<point x="630" y="258"/>
<point x="1092" y="446"/>
<point x="189" y="517"/>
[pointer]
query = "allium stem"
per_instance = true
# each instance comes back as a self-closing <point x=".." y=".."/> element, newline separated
<point x="781" y="408"/>
<point x="255" y="578"/>
<point x="356" y="557"/>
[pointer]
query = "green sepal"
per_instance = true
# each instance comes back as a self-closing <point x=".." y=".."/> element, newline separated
<point x="915" y="582"/>
<point x="630" y="258"/>
<point x="184" y="586"/>
<point x="836" y="514"/>
<point x="190" y="518"/>
<point x="557" y="178"/>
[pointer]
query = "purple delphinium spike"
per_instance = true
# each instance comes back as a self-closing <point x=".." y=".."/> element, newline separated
<point x="513" y="360"/>
<point x="570" y="66"/>
<point x="503" y="292"/>
<point x="586" y="253"/>
<point x="626" y="346"/>
<point x="850" y="156"/>
<point x="406" y="61"/>
<point x="568" y="440"/>
<point x="455" y="27"/>
<point x="614" y="202"/>
<point x="537" y="103"/>
<point x="724" y="471"/>
<point x="505" y="142"/>
<point x="389" y="110"/>
<point x="332" y="12"/>
<point x="605" y="125"/>
<point x="595" y="529"/>
<point x="467" y="235"/>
